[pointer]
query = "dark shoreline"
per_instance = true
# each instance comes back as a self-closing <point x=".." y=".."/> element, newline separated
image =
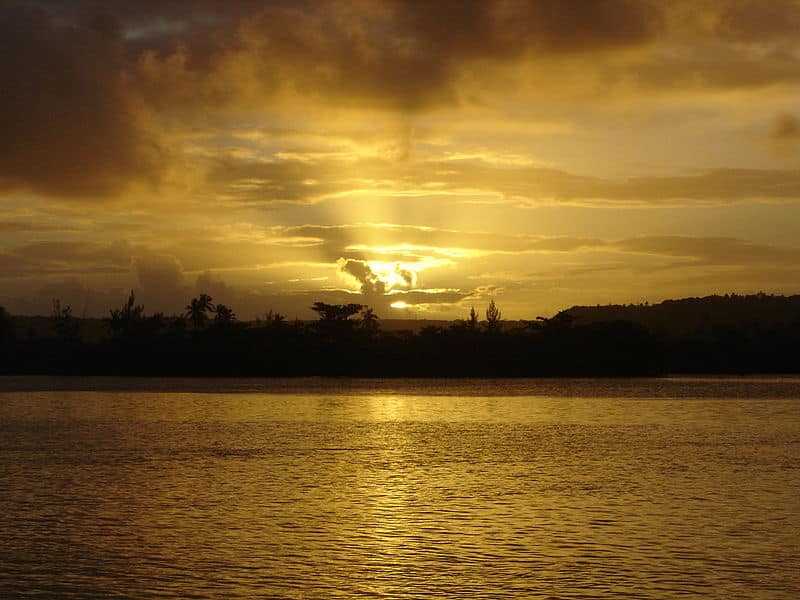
<point x="729" y="335"/>
<point x="781" y="386"/>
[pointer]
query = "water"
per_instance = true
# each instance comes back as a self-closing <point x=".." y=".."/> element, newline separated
<point x="336" y="489"/>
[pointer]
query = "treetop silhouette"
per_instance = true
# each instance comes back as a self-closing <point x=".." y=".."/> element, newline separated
<point x="336" y="312"/>
<point x="197" y="308"/>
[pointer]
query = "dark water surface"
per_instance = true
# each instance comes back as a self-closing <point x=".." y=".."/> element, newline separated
<point x="338" y="488"/>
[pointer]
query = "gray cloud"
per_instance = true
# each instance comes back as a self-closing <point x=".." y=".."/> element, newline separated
<point x="84" y="300"/>
<point x="713" y="251"/>
<point x="371" y="285"/>
<point x="65" y="257"/>
<point x="162" y="287"/>
<point x="755" y="20"/>
<point x="30" y="226"/>
<point x="69" y="123"/>
<point x="404" y="55"/>
<point x="288" y="181"/>
<point x="90" y="83"/>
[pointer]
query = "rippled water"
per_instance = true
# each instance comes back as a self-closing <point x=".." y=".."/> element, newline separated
<point x="326" y="489"/>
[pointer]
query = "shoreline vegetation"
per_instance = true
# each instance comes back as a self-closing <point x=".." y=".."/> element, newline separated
<point x="724" y="335"/>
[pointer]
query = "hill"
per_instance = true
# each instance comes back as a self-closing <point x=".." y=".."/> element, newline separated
<point x="693" y="316"/>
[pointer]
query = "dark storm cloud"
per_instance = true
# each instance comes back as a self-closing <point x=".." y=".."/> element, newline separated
<point x="413" y="55"/>
<point x="404" y="55"/>
<point x="89" y="86"/>
<point x="69" y="125"/>
<point x="409" y="55"/>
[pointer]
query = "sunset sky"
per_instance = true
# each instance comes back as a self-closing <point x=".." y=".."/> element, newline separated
<point x="419" y="157"/>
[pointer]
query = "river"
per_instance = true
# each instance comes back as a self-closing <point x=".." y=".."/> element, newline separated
<point x="316" y="488"/>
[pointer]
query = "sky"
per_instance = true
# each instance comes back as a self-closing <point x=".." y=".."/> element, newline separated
<point x="418" y="157"/>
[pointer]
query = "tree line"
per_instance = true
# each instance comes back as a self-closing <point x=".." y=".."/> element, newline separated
<point x="207" y="339"/>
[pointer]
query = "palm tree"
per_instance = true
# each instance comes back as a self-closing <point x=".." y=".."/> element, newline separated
<point x="224" y="315"/>
<point x="197" y="308"/>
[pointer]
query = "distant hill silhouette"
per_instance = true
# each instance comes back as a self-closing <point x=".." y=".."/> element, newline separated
<point x="690" y="316"/>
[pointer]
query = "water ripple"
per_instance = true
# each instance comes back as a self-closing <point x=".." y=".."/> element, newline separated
<point x="108" y="495"/>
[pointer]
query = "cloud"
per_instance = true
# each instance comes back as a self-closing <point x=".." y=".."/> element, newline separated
<point x="401" y="55"/>
<point x="282" y="181"/>
<point x="409" y="277"/>
<point x="213" y="285"/>
<point x="84" y="300"/>
<point x="430" y="297"/>
<point x="65" y="257"/>
<point x="113" y="253"/>
<point x="70" y="126"/>
<point x="713" y="251"/>
<point x="20" y="226"/>
<point x="158" y="272"/>
<point x="162" y="286"/>
<point x="755" y="20"/>
<point x="371" y="284"/>
<point x="101" y="91"/>
<point x="786" y="127"/>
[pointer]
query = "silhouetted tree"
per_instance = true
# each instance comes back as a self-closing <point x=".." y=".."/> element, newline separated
<point x="124" y="319"/>
<point x="224" y="316"/>
<point x="65" y="325"/>
<point x="336" y="312"/>
<point x="472" y="322"/>
<point x="197" y="308"/>
<point x="492" y="317"/>
<point x="274" y="319"/>
<point x="746" y="334"/>
<point x="369" y="320"/>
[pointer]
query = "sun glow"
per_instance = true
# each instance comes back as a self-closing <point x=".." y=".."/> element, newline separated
<point x="395" y="275"/>
<point x="400" y="304"/>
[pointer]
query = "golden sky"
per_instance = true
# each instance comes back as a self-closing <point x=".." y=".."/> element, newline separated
<point x="430" y="155"/>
